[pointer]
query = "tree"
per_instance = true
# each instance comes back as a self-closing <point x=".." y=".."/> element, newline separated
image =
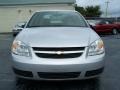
<point x="89" y="11"/>
<point x="93" y="11"/>
<point x="80" y="9"/>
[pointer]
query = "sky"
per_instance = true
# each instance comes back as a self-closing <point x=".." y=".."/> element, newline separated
<point x="113" y="6"/>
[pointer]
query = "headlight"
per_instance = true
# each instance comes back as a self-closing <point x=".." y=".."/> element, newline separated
<point x="96" y="48"/>
<point x="20" y="48"/>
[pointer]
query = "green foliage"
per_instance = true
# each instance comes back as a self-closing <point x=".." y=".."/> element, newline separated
<point x="93" y="11"/>
<point x="81" y="10"/>
<point x="89" y="11"/>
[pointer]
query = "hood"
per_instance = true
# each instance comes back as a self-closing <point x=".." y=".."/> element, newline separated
<point x="56" y="36"/>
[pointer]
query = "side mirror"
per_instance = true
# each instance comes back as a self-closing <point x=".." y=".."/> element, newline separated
<point x="22" y="26"/>
<point x="92" y="27"/>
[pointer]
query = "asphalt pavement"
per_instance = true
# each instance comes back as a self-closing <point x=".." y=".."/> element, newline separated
<point x="110" y="79"/>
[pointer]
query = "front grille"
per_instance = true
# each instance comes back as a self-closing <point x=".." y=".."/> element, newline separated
<point x="58" y="52"/>
<point x="57" y="56"/>
<point x="68" y="75"/>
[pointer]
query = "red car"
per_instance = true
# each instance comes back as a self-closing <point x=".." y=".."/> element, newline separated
<point x="105" y="26"/>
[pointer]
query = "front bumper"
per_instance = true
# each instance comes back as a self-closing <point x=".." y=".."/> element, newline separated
<point x="88" y="68"/>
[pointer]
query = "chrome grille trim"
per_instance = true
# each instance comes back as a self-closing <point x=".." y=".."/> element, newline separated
<point x="54" y="52"/>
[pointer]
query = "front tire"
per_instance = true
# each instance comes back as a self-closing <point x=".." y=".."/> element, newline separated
<point x="114" y="31"/>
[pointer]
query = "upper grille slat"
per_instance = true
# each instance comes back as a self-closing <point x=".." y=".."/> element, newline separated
<point x="58" y="49"/>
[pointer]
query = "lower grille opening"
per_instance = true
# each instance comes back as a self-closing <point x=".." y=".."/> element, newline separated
<point x="61" y="56"/>
<point x="68" y="75"/>
<point x="94" y="72"/>
<point x="23" y="73"/>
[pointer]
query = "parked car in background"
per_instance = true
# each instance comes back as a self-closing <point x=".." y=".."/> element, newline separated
<point x="58" y="45"/>
<point x="105" y="26"/>
<point x="18" y="27"/>
<point x="93" y="22"/>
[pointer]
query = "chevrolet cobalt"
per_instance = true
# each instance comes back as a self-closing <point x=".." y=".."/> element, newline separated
<point x="57" y="45"/>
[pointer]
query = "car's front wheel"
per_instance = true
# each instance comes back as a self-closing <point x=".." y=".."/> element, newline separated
<point x="114" y="31"/>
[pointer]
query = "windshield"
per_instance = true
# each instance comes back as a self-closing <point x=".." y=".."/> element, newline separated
<point x="57" y="18"/>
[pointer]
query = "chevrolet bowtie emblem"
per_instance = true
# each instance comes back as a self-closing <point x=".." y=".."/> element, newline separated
<point x="59" y="52"/>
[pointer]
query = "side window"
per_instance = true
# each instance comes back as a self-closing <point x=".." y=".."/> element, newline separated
<point x="107" y="22"/>
<point x="111" y="22"/>
<point x="102" y="22"/>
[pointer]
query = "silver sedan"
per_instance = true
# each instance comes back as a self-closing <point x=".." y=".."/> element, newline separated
<point x="57" y="45"/>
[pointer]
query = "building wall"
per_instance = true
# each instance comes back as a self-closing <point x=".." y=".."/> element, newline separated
<point x="10" y="15"/>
